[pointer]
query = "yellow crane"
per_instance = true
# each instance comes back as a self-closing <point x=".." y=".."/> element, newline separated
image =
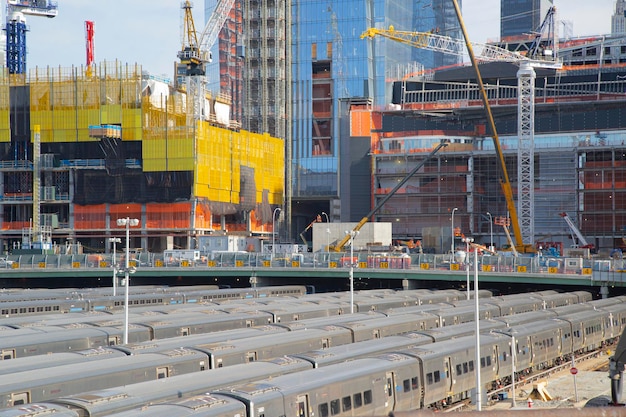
<point x="526" y="86"/>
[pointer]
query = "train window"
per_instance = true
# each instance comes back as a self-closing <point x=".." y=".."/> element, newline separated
<point x="323" y="410"/>
<point x="488" y="360"/>
<point x="437" y="376"/>
<point x="248" y="323"/>
<point x="31" y="309"/>
<point x="482" y="362"/>
<point x="219" y="363"/>
<point x="162" y="372"/>
<point x="251" y="356"/>
<point x="367" y="397"/>
<point x="5" y="311"/>
<point x="39" y="309"/>
<point x="346" y="403"/>
<point x="202" y="366"/>
<point x="334" y="407"/>
<point x="414" y="383"/>
<point x="14" y="311"/>
<point x="22" y="310"/>
<point x="325" y="343"/>
<point x="429" y="378"/>
<point x="459" y="371"/>
<point x="471" y="366"/>
<point x="407" y="385"/>
<point x="20" y="398"/>
<point x="357" y="399"/>
<point x="184" y="331"/>
<point x="504" y="356"/>
<point x="465" y="370"/>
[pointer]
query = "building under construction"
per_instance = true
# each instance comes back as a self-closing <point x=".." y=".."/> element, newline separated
<point x="115" y="143"/>
<point x="579" y="155"/>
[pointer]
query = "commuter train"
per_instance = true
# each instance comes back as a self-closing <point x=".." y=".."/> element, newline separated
<point x="539" y="345"/>
<point x="91" y="300"/>
<point x="398" y="376"/>
<point x="90" y="330"/>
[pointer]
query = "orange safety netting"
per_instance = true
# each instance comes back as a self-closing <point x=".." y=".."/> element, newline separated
<point x="168" y="216"/>
<point x="90" y="217"/>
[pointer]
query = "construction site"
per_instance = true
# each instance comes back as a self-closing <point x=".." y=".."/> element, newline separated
<point x="565" y="152"/>
<point x="82" y="147"/>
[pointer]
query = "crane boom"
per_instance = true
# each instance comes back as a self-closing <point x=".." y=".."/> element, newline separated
<point x="215" y="23"/>
<point x="340" y="245"/>
<point x="581" y="239"/>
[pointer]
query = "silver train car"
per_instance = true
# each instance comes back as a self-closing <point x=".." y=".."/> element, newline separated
<point x="444" y="368"/>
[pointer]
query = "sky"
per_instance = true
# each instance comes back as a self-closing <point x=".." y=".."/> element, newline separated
<point x="148" y="32"/>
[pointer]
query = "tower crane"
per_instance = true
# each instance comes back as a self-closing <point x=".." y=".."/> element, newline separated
<point x="195" y="52"/>
<point x="16" y="29"/>
<point x="523" y="226"/>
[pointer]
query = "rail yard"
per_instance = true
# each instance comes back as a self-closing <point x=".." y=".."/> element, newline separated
<point x="399" y="351"/>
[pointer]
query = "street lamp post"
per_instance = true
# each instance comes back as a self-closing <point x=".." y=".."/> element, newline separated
<point x="513" y="358"/>
<point x="114" y="240"/>
<point x="490" y="231"/>
<point x="352" y="233"/>
<point x="127" y="222"/>
<point x="477" y="319"/>
<point x="277" y="209"/>
<point x="467" y="241"/>
<point x="327" y="235"/>
<point x="452" y="243"/>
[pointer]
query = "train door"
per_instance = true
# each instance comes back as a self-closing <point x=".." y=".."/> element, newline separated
<point x="448" y="368"/>
<point x="390" y="391"/>
<point x="302" y="404"/>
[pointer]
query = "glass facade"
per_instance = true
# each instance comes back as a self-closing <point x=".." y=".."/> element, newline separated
<point x="519" y="17"/>
<point x="332" y="63"/>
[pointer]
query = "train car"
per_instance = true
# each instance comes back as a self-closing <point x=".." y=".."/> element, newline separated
<point x="48" y="383"/>
<point x="204" y="338"/>
<point x="58" y="341"/>
<point x="338" y="354"/>
<point x="528" y="317"/>
<point x="377" y="328"/>
<point x="440" y="334"/>
<point x="447" y="369"/>
<point x="205" y="321"/>
<point x="465" y="313"/>
<point x="56" y="359"/>
<point x="586" y="329"/>
<point x="40" y="409"/>
<point x="516" y="305"/>
<point x="540" y="344"/>
<point x="197" y="406"/>
<point x="368" y="386"/>
<point x="333" y="320"/>
<point x="238" y="351"/>
<point x="101" y="403"/>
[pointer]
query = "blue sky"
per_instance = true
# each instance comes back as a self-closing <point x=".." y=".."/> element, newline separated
<point x="147" y="32"/>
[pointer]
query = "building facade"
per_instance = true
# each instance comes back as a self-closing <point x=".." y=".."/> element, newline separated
<point x="117" y="143"/>
<point x="521" y="17"/>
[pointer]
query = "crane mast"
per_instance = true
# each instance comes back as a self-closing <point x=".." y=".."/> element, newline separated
<point x="16" y="29"/>
<point x="195" y="53"/>
<point x="523" y="225"/>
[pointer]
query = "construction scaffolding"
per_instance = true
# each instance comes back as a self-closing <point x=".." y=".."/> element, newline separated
<point x="114" y="144"/>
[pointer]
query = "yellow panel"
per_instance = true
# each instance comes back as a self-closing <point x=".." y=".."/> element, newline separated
<point x="111" y="114"/>
<point x="151" y="165"/>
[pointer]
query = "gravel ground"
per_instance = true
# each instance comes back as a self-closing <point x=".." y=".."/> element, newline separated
<point x="590" y="384"/>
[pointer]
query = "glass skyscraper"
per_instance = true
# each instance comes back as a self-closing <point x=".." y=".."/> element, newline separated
<point x="522" y="17"/>
<point x="326" y="64"/>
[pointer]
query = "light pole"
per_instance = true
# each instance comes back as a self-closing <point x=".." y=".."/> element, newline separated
<point x="327" y="235"/>
<point x="452" y="243"/>
<point x="114" y="240"/>
<point x="277" y="209"/>
<point x="514" y="358"/>
<point x="490" y="231"/>
<point x="477" y="319"/>
<point x="352" y="233"/>
<point x="127" y="222"/>
<point x="467" y="241"/>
